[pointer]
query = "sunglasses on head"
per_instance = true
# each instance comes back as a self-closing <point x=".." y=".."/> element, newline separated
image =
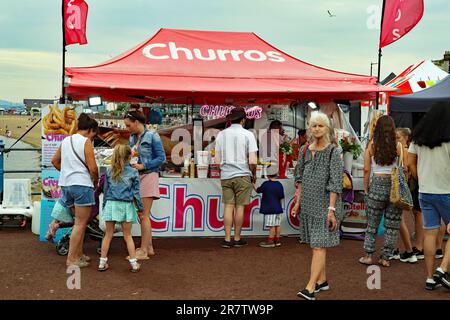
<point x="129" y="115"/>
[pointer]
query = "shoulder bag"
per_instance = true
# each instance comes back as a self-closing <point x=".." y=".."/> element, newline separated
<point x="400" y="194"/>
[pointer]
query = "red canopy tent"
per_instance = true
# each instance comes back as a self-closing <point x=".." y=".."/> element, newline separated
<point x="213" y="67"/>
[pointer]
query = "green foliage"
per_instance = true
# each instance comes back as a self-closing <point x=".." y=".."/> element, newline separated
<point x="286" y="148"/>
<point x="350" y="145"/>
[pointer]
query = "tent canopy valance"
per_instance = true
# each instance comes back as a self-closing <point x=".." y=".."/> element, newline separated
<point x="213" y="66"/>
<point x="423" y="100"/>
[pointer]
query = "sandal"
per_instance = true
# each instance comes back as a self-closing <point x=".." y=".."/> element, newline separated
<point x="384" y="263"/>
<point x="149" y="253"/>
<point x="366" y="260"/>
<point x="85" y="258"/>
<point x="79" y="263"/>
<point x="103" y="265"/>
<point x="140" y="255"/>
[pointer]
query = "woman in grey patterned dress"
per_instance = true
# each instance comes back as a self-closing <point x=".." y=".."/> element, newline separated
<point x="320" y="206"/>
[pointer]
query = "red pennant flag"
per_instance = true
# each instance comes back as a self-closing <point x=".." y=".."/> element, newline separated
<point x="75" y="16"/>
<point x="400" y="16"/>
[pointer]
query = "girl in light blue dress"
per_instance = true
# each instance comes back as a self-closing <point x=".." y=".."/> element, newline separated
<point x="121" y="198"/>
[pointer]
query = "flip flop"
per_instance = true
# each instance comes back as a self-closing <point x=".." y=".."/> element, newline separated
<point x="384" y="263"/>
<point x="149" y="253"/>
<point x="364" y="260"/>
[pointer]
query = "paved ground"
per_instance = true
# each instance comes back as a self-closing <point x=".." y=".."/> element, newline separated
<point x="199" y="269"/>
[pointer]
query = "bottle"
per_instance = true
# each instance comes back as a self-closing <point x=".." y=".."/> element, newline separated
<point x="186" y="168"/>
<point x="192" y="168"/>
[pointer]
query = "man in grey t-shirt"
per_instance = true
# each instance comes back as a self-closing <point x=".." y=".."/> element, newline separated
<point x="236" y="153"/>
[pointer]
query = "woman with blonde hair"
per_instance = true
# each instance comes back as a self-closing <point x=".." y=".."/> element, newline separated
<point x="121" y="195"/>
<point x="319" y="202"/>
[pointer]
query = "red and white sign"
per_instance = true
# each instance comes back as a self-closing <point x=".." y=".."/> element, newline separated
<point x="400" y="16"/>
<point x="162" y="51"/>
<point x="193" y="208"/>
<point x="218" y="111"/>
<point x="75" y="17"/>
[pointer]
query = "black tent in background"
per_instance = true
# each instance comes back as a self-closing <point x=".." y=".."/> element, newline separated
<point x="408" y="109"/>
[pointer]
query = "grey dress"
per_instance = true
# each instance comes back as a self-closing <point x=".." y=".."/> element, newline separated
<point x="319" y="177"/>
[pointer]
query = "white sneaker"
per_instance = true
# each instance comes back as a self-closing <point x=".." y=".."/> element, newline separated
<point x="409" y="257"/>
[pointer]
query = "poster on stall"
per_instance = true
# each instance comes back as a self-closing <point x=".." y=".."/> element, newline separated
<point x="58" y="122"/>
<point x="355" y="219"/>
<point x="50" y="184"/>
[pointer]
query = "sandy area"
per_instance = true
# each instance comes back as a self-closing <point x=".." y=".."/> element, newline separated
<point x="18" y="125"/>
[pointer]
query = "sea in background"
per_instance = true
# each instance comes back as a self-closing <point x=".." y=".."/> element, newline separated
<point x="21" y="160"/>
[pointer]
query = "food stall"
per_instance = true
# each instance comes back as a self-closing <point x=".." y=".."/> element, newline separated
<point x="219" y="69"/>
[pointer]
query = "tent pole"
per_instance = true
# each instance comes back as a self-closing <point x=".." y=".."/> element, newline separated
<point x="62" y="99"/>
<point x="380" y="54"/>
<point x="192" y="111"/>
<point x="378" y="78"/>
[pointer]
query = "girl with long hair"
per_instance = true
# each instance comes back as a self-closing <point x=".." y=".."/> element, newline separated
<point x="380" y="158"/>
<point x="411" y="254"/>
<point x="121" y="196"/>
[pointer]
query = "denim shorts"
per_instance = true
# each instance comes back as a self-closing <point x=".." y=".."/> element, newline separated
<point x="434" y="208"/>
<point x="79" y="196"/>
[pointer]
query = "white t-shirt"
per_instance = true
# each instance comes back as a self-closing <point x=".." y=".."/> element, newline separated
<point x="233" y="146"/>
<point x="73" y="171"/>
<point x="433" y="168"/>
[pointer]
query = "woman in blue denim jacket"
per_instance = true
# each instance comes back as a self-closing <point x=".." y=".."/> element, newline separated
<point x="148" y="155"/>
<point x="121" y="197"/>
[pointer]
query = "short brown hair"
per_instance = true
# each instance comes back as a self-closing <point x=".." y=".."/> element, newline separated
<point x="236" y="115"/>
<point x="85" y="122"/>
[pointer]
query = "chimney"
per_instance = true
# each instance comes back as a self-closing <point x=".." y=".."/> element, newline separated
<point x="447" y="56"/>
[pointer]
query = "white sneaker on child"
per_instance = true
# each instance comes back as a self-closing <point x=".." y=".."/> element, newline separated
<point x="135" y="266"/>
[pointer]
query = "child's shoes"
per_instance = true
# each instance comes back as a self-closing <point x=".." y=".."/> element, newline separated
<point x="135" y="266"/>
<point x="52" y="228"/>
<point x="103" y="265"/>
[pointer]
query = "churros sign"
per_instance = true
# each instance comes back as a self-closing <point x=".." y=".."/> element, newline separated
<point x="218" y="111"/>
<point x="59" y="122"/>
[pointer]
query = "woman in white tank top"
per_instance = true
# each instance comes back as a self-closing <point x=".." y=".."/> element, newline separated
<point x="380" y="157"/>
<point x="79" y="175"/>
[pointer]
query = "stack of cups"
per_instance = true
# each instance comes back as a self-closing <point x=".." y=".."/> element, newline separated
<point x="202" y="164"/>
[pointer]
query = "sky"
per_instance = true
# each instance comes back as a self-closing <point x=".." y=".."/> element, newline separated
<point x="31" y="37"/>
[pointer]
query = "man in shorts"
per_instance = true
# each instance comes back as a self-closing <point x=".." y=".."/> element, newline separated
<point x="236" y="150"/>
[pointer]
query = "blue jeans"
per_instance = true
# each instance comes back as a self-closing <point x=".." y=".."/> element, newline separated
<point x="434" y="208"/>
<point x="79" y="196"/>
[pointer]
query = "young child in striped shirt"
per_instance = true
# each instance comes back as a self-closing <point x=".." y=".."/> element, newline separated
<point x="272" y="193"/>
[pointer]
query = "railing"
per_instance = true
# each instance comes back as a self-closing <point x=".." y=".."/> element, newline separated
<point x="3" y="171"/>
